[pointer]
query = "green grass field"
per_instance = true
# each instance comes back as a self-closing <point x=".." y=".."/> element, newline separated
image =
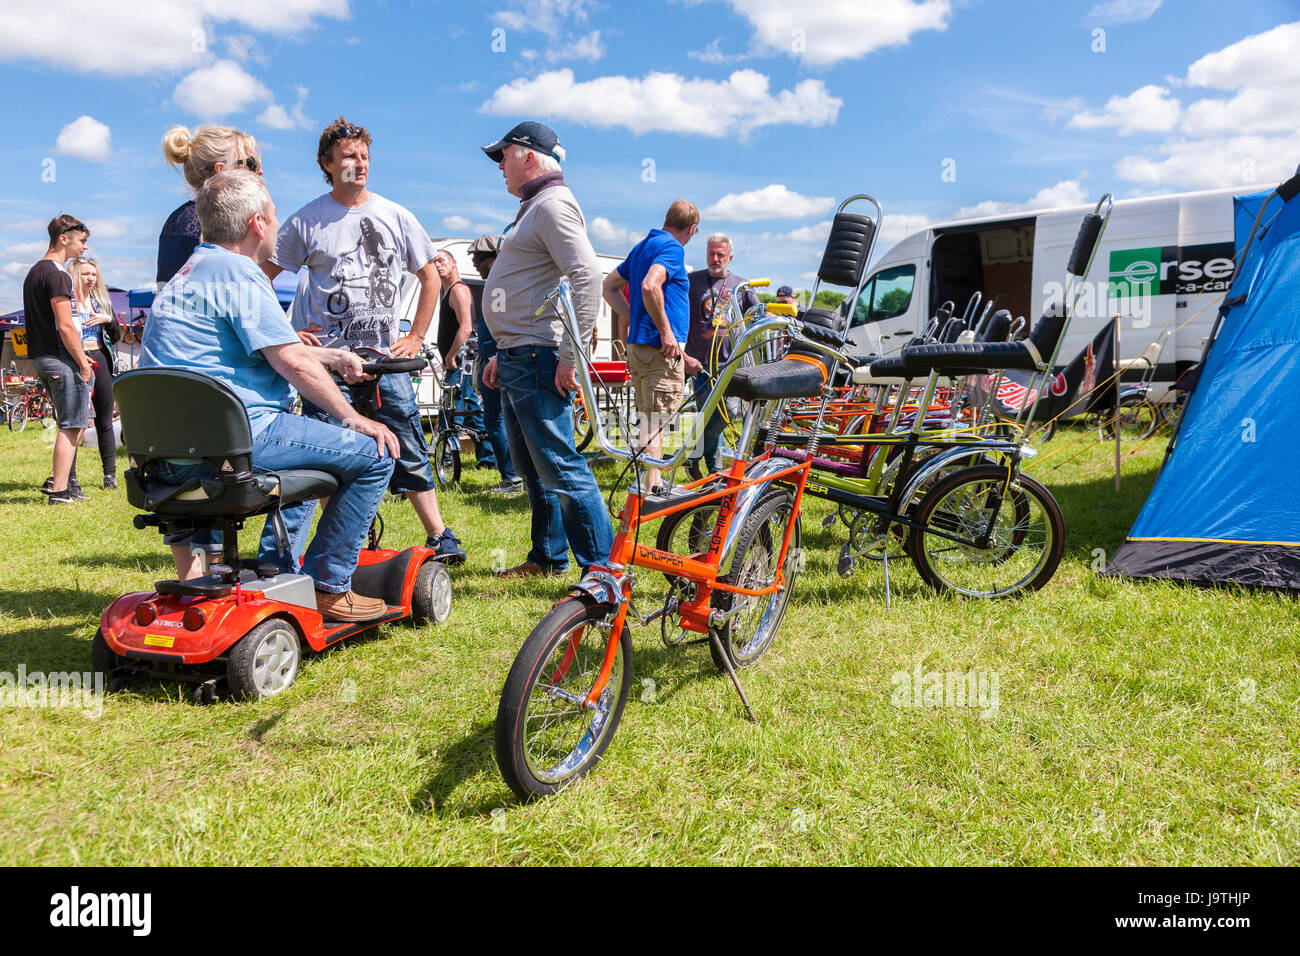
<point x="1135" y="723"/>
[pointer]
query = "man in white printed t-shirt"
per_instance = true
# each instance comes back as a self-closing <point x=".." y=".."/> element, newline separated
<point x="356" y="245"/>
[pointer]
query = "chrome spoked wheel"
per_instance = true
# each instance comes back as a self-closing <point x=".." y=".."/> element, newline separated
<point x="754" y="619"/>
<point x="547" y="735"/>
<point x="983" y="536"/>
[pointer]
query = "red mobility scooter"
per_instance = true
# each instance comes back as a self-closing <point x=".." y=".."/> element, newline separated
<point x="241" y="627"/>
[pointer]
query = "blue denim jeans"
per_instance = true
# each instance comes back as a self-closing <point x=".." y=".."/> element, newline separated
<point x="495" y="425"/>
<point x="399" y="411"/>
<point x="292" y="441"/>
<point x="565" y="499"/>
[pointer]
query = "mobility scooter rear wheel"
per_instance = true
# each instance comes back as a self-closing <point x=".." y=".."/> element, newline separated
<point x="265" y="661"/>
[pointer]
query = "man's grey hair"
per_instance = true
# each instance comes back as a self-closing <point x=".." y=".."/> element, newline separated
<point x="545" y="162"/>
<point x="722" y="237"/>
<point x="227" y="201"/>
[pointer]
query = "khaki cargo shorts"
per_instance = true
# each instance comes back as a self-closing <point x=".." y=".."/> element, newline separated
<point x="657" y="382"/>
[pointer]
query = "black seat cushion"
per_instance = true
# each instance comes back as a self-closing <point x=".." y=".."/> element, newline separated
<point x="967" y="358"/>
<point x="787" y="378"/>
<point x="888" y="368"/>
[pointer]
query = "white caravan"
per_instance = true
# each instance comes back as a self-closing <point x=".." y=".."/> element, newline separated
<point x="1163" y="265"/>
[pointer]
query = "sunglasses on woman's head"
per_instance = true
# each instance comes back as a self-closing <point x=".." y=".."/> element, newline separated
<point x="251" y="162"/>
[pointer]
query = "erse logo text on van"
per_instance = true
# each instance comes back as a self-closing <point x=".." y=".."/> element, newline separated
<point x="1166" y="270"/>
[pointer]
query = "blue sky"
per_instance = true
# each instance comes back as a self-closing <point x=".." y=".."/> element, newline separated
<point x="762" y="112"/>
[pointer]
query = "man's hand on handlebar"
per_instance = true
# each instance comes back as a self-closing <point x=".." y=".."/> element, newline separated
<point x="693" y="365"/>
<point x="407" y="346"/>
<point x="346" y="365"/>
<point x="385" y="440"/>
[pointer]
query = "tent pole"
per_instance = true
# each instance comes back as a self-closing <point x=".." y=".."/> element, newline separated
<point x="1118" y="381"/>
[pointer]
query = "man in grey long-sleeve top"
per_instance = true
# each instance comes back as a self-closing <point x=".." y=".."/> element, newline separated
<point x="534" y="365"/>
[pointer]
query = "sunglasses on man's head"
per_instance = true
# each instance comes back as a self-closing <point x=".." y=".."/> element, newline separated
<point x="75" y="227"/>
<point x="346" y="132"/>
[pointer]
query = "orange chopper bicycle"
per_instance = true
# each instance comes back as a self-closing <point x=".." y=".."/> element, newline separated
<point x="728" y="544"/>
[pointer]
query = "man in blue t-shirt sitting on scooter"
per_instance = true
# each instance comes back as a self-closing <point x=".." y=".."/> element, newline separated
<point x="219" y="316"/>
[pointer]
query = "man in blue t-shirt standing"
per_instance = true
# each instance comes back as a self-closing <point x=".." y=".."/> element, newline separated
<point x="654" y="321"/>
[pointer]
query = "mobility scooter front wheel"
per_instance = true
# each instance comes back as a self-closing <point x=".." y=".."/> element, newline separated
<point x="265" y="660"/>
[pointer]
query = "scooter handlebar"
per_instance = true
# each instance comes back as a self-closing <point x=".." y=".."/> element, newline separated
<point x="391" y="366"/>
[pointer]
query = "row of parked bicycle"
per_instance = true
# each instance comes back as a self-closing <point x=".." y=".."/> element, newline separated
<point x="909" y="448"/>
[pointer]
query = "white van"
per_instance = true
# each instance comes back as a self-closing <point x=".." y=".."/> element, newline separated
<point x="1164" y="263"/>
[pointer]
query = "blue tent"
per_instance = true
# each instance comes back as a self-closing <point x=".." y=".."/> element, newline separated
<point x="1223" y="509"/>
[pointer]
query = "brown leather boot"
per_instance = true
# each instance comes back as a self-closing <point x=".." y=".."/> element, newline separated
<point x="349" y="606"/>
<point x="526" y="570"/>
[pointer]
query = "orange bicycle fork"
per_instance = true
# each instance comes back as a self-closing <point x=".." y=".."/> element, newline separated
<point x="696" y="615"/>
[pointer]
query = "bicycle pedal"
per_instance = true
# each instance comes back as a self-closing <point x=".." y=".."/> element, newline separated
<point x="829" y="520"/>
<point x="846" y="564"/>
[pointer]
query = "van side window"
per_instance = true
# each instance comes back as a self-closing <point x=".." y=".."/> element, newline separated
<point x="885" y="295"/>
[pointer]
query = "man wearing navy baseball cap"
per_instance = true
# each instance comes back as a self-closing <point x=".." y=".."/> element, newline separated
<point x="534" y="363"/>
<point x="786" y="294"/>
<point x="534" y="136"/>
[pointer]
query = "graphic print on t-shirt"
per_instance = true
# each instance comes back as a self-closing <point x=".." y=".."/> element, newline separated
<point x="366" y="279"/>
<point x="713" y="306"/>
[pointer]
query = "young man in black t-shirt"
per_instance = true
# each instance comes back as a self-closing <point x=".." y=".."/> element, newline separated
<point x="54" y="344"/>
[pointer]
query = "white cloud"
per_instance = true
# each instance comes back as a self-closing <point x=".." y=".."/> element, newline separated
<point x="1212" y="163"/>
<point x="667" y="102"/>
<point x="86" y="138"/>
<point x="814" y="235"/>
<point x="543" y="16"/>
<point x="455" y="224"/>
<point x="1248" y="137"/>
<point x="609" y="236"/>
<point x="1148" y="109"/>
<point x="22" y="225"/>
<point x="277" y="117"/>
<point x="25" y="250"/>
<point x="1123" y="11"/>
<point x="1270" y="55"/>
<point x="12" y="270"/>
<point x="1264" y="72"/>
<point x="242" y="47"/>
<point x="712" y="53"/>
<point x="899" y="226"/>
<point x="218" y="90"/>
<point x="131" y="38"/>
<point x="586" y="47"/>
<point x="107" y="228"/>
<point x="1068" y="192"/>
<point x="822" y="32"/>
<point x="770" y="202"/>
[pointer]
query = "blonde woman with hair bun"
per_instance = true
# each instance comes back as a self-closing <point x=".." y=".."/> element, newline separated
<point x="199" y="155"/>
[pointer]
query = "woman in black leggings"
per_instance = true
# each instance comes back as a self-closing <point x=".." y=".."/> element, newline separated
<point x="93" y="310"/>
